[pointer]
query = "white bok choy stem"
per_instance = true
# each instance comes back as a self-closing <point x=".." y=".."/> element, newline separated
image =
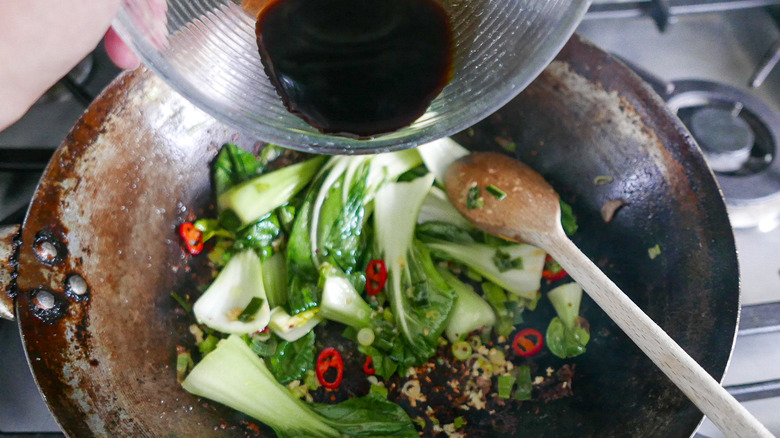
<point x="229" y="295"/>
<point x="420" y="299"/>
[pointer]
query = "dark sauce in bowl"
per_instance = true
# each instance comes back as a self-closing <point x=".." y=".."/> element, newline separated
<point x="356" y="68"/>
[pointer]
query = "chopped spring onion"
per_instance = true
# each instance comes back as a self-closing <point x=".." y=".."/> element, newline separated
<point x="654" y="252"/>
<point x="474" y="198"/>
<point x="507" y="144"/>
<point x="505" y="262"/>
<point x="524" y="383"/>
<point x="184" y="363"/>
<point x="459" y="422"/>
<point x="251" y="309"/>
<point x="568" y="220"/>
<point x="365" y="336"/>
<point x="419" y="422"/>
<point x="496" y="192"/>
<point x="182" y="302"/>
<point x="505" y="385"/>
<point x="208" y="345"/>
<point x="461" y="350"/>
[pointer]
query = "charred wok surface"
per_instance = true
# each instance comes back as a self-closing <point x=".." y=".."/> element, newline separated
<point x="137" y="165"/>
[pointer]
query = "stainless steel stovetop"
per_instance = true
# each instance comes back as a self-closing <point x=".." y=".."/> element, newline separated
<point x="722" y="42"/>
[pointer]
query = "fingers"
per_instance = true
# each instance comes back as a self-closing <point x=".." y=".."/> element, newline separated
<point x="119" y="52"/>
<point x="40" y="41"/>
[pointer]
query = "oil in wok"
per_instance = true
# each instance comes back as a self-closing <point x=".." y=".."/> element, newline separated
<point x="356" y="68"/>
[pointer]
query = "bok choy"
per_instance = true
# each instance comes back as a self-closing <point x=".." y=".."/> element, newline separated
<point x="420" y="299"/>
<point x="235" y="376"/>
<point x="471" y="311"/>
<point x="340" y="301"/>
<point x="328" y="227"/>
<point x="516" y="267"/>
<point x="369" y="242"/>
<point x="258" y="196"/>
<point x="568" y="333"/>
<point x="225" y="306"/>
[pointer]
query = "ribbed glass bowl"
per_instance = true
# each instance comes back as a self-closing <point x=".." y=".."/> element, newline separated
<point x="207" y="51"/>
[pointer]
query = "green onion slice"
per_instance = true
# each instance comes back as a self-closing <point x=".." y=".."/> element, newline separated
<point x="496" y="192"/>
<point x="505" y="384"/>
<point x="461" y="350"/>
<point x="365" y="336"/>
<point x="474" y="198"/>
<point x="251" y="309"/>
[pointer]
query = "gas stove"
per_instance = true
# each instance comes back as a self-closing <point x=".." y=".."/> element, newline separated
<point x="710" y="60"/>
<point x="715" y="70"/>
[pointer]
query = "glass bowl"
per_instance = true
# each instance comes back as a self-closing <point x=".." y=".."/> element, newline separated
<point x="207" y="51"/>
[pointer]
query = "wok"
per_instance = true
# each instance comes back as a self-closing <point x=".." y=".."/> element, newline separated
<point x="137" y="164"/>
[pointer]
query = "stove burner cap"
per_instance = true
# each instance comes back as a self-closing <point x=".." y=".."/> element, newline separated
<point x="725" y="138"/>
<point x="739" y="135"/>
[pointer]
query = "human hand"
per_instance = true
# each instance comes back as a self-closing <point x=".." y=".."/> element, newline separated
<point x="119" y="52"/>
<point x="42" y="40"/>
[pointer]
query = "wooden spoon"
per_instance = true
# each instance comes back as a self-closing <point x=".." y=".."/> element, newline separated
<point x="531" y="213"/>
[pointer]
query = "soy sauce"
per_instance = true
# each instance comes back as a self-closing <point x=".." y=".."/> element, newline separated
<point x="356" y="68"/>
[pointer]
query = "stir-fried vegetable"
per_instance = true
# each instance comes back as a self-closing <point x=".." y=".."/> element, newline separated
<point x="234" y="166"/>
<point x="369" y="242"/>
<point x="568" y="333"/>
<point x="439" y="154"/>
<point x="330" y="358"/>
<point x="516" y="267"/>
<point x="329" y="225"/>
<point x="292" y="328"/>
<point x="231" y="293"/>
<point x="275" y="279"/>
<point x="376" y="276"/>
<point x="340" y="301"/>
<point x="437" y="208"/>
<point x="234" y="375"/>
<point x="528" y="342"/>
<point x="420" y="299"/>
<point x="471" y="311"/>
<point x="257" y="197"/>
<point x="193" y="237"/>
<point x="292" y="359"/>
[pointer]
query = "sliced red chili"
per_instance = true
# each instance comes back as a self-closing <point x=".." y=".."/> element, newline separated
<point x="552" y="270"/>
<point x="368" y="366"/>
<point x="330" y="358"/>
<point x="528" y="342"/>
<point x="376" y="276"/>
<point x="193" y="238"/>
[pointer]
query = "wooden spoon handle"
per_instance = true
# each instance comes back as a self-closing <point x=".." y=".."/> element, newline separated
<point x="704" y="391"/>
